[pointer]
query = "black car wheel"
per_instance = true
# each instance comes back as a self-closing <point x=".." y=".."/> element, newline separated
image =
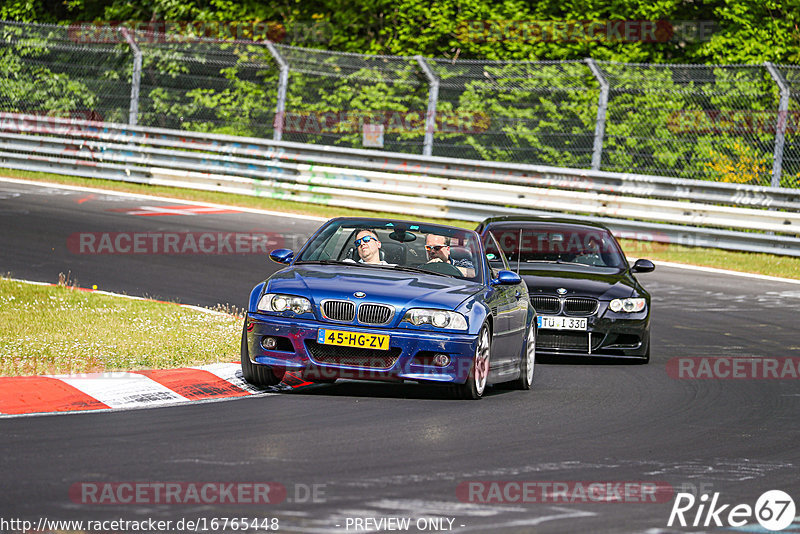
<point x="475" y="385"/>
<point x="527" y="360"/>
<point x="258" y="375"/>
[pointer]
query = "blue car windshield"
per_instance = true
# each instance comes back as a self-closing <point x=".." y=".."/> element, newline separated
<point x="407" y="245"/>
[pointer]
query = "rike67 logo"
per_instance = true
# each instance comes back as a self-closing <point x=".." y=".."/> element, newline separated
<point x="774" y="511"/>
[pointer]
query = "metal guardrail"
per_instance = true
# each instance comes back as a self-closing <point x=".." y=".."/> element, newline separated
<point x="721" y="215"/>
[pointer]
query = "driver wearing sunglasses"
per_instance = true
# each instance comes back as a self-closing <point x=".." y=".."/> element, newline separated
<point x="368" y="247"/>
<point x="438" y="249"/>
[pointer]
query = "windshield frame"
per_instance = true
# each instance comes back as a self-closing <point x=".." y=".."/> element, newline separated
<point x="338" y="234"/>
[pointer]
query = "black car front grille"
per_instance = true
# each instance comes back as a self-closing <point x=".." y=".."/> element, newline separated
<point x="543" y="304"/>
<point x="568" y="341"/>
<point x="579" y="306"/>
<point x="339" y="310"/>
<point x="375" y="313"/>
<point x="352" y="356"/>
<point x="572" y="306"/>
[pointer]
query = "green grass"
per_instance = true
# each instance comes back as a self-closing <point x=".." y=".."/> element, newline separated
<point x="62" y="330"/>
<point x="768" y="264"/>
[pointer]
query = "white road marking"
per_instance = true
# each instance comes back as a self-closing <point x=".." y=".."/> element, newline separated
<point x="122" y="390"/>
<point x="232" y="372"/>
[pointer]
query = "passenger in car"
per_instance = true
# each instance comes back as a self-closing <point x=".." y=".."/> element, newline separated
<point x="438" y="249"/>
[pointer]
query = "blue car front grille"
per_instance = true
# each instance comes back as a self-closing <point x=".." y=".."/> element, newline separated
<point x="344" y="311"/>
<point x="375" y="313"/>
<point x="339" y="310"/>
<point x="352" y="356"/>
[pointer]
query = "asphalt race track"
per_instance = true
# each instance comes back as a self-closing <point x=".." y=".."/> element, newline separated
<point x="403" y="451"/>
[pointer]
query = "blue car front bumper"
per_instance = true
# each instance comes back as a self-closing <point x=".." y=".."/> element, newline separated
<point x="409" y="357"/>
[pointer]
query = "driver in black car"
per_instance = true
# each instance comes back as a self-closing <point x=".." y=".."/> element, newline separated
<point x="438" y="249"/>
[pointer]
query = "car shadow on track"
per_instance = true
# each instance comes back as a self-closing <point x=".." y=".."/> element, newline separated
<point x="588" y="360"/>
<point x="387" y="390"/>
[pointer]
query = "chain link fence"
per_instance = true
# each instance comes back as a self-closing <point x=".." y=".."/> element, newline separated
<point x="791" y="149"/>
<point x="733" y="123"/>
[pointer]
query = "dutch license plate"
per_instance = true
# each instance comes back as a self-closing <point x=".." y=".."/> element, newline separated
<point x="353" y="339"/>
<point x="553" y="322"/>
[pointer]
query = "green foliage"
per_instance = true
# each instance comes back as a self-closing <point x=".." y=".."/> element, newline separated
<point x="30" y="88"/>
<point x="745" y="31"/>
<point x="525" y="112"/>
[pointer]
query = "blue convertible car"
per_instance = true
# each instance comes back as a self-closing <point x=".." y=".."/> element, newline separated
<point x="389" y="300"/>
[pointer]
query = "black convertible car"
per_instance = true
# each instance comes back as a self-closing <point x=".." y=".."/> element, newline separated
<point x="584" y="291"/>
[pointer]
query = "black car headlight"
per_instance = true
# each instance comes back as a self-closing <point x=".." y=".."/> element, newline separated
<point x="275" y="302"/>
<point x="438" y="318"/>
<point x="632" y="305"/>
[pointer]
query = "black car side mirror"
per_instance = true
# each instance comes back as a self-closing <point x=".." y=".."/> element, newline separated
<point x="643" y="266"/>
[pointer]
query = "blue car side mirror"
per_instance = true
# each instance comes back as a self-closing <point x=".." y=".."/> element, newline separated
<point x="281" y="255"/>
<point x="506" y="278"/>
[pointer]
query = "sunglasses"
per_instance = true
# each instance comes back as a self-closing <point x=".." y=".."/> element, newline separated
<point x="365" y="239"/>
<point x="435" y="248"/>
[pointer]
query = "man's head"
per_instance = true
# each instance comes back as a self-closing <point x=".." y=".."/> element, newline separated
<point x="368" y="246"/>
<point x="437" y="246"/>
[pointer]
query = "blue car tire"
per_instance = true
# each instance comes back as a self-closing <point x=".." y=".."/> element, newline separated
<point x="258" y="375"/>
<point x="475" y="385"/>
<point x="527" y="360"/>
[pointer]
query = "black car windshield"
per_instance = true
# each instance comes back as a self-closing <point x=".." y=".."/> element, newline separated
<point x="583" y="245"/>
<point x="391" y="244"/>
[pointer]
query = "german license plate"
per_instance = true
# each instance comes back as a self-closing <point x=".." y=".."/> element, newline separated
<point x="553" y="322"/>
<point x="353" y="339"/>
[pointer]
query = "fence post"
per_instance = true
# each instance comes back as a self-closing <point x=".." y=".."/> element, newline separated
<point x="780" y="125"/>
<point x="133" y="113"/>
<point x="433" y="98"/>
<point x="283" y="82"/>
<point x="602" y="105"/>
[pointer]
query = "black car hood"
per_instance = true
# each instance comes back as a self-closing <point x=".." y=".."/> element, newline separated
<point x="579" y="281"/>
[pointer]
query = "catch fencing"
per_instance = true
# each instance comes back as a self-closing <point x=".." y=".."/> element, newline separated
<point x="736" y="124"/>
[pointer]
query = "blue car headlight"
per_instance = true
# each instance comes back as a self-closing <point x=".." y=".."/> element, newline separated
<point x="438" y="318"/>
<point x="275" y="302"/>
<point x="627" y="305"/>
